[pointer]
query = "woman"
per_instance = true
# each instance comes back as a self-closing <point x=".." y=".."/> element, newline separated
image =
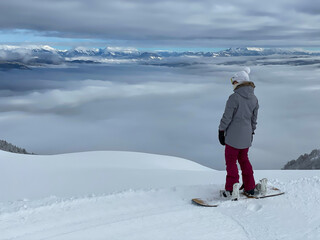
<point x="236" y="131"/>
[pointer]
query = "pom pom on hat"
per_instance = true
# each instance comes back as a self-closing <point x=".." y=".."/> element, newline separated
<point x="247" y="70"/>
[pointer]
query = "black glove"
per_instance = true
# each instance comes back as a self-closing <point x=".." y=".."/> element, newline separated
<point x="221" y="138"/>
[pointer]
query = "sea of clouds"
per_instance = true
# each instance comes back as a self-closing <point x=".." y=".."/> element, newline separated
<point x="161" y="107"/>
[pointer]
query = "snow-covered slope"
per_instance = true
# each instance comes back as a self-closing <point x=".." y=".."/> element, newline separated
<point x="123" y="195"/>
<point x="79" y="174"/>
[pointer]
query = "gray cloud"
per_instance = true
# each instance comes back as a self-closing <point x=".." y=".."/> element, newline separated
<point x="305" y="7"/>
<point x="178" y="23"/>
<point x="57" y="100"/>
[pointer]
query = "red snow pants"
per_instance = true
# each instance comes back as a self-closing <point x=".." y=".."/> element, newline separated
<point x="232" y="155"/>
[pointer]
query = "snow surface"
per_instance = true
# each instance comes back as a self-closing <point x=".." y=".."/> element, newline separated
<point x="126" y="195"/>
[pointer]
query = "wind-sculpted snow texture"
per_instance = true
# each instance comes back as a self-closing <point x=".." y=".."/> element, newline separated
<point x="145" y="210"/>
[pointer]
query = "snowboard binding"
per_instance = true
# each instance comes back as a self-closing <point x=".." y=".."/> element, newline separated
<point x="261" y="187"/>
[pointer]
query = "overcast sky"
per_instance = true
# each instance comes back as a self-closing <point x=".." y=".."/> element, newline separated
<point x="163" y="24"/>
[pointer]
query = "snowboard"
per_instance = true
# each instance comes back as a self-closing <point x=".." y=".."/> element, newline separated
<point x="214" y="202"/>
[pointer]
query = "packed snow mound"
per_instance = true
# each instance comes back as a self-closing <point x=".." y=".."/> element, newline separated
<point x="84" y="173"/>
<point x="106" y="159"/>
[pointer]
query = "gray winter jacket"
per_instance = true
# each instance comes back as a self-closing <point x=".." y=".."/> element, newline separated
<point x="240" y="116"/>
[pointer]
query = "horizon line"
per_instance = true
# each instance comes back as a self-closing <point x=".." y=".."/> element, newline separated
<point x="157" y="49"/>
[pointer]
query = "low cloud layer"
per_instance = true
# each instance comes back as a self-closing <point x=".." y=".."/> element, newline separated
<point x="160" y="109"/>
<point x="93" y="91"/>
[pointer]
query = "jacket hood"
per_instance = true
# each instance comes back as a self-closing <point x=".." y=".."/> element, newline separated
<point x="245" y="89"/>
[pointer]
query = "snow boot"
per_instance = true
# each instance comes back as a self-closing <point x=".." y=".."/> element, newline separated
<point x="225" y="194"/>
<point x="233" y="195"/>
<point x="250" y="192"/>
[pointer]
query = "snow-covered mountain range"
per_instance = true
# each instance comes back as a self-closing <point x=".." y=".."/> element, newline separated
<point x="48" y="55"/>
<point x="126" y="195"/>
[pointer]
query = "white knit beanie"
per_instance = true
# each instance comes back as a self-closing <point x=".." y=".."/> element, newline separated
<point x="240" y="77"/>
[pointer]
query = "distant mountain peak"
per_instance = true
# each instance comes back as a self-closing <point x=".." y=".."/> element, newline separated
<point x="121" y="49"/>
<point x="85" y="49"/>
<point x="255" y="49"/>
<point x="305" y="161"/>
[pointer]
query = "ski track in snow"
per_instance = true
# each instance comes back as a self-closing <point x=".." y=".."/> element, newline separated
<point x="168" y="214"/>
